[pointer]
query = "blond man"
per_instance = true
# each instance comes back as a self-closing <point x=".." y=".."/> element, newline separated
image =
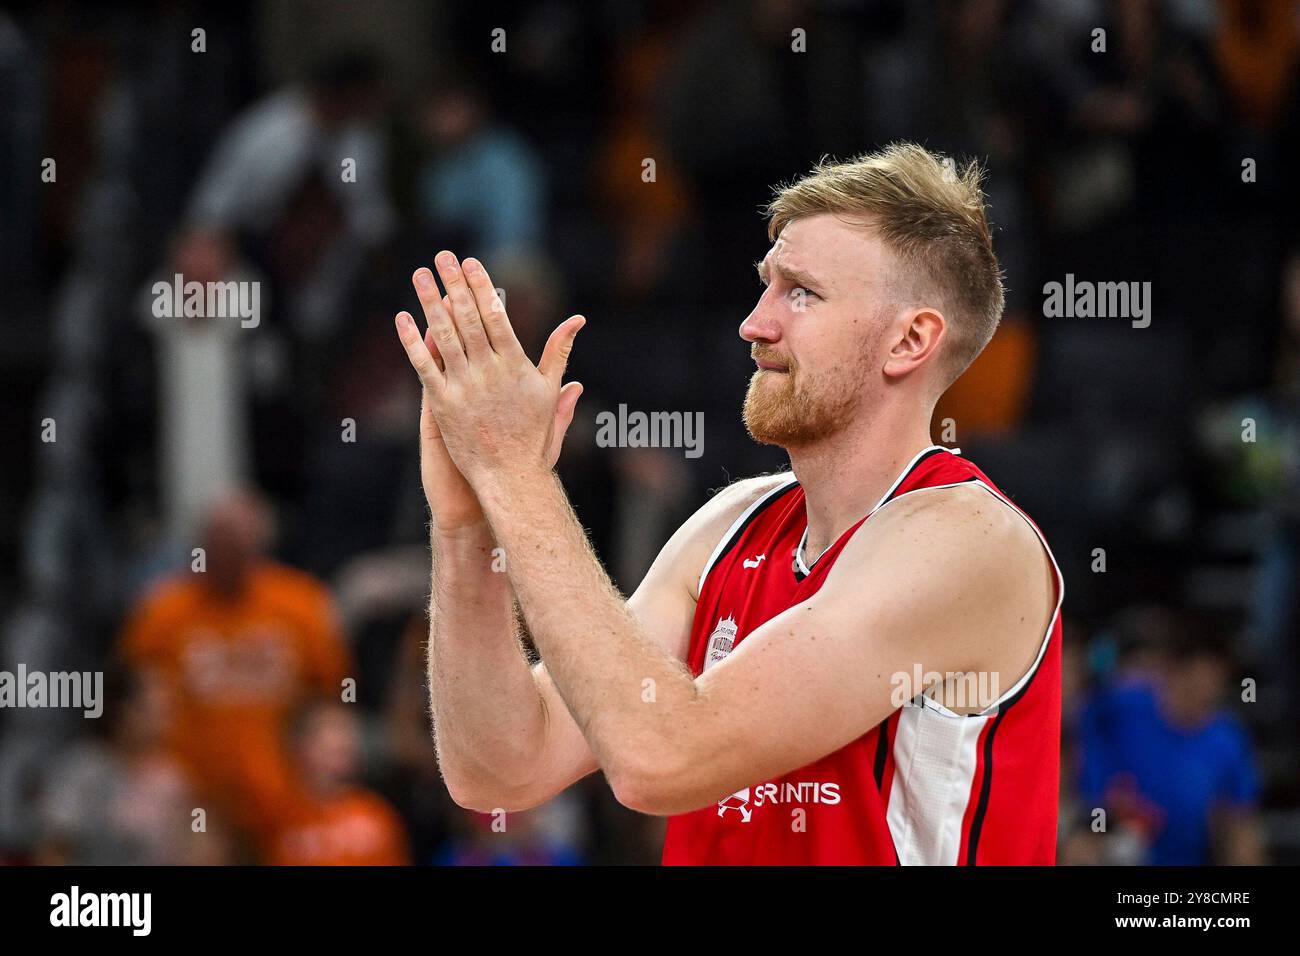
<point x="856" y="661"/>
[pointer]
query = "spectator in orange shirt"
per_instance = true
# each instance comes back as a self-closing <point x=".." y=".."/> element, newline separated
<point x="332" y="822"/>
<point x="238" y="642"/>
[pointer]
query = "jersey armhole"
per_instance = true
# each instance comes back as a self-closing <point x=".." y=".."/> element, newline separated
<point x="1058" y="578"/>
<point x="737" y="528"/>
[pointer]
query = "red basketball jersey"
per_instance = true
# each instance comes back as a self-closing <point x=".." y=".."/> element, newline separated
<point x="926" y="785"/>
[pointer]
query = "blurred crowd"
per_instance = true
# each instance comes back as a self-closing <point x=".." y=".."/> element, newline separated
<point x="229" y="522"/>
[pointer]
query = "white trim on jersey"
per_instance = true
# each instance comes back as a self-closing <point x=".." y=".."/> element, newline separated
<point x="934" y="778"/>
<point x="737" y="524"/>
<point x="799" y="561"/>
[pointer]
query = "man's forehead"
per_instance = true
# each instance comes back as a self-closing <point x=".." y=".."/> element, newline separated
<point x="824" y="243"/>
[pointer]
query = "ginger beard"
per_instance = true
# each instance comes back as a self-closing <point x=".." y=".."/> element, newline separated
<point x="793" y="408"/>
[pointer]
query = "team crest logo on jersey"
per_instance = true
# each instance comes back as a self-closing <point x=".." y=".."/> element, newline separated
<point x="721" y="641"/>
<point x="737" y="801"/>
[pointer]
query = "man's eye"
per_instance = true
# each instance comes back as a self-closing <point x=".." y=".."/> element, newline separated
<point x="799" y="292"/>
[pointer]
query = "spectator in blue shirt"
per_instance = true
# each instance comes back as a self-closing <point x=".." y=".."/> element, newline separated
<point x="1173" y="767"/>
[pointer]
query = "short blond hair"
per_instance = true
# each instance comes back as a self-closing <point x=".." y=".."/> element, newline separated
<point x="930" y="212"/>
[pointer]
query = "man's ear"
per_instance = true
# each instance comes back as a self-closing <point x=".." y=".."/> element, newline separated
<point x="922" y="331"/>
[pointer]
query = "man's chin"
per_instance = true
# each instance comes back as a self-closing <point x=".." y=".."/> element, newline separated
<point x="779" y="422"/>
<point x="766" y="438"/>
<point x="769" y="429"/>
<point x="787" y="435"/>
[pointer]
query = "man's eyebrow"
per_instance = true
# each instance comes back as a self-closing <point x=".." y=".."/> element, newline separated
<point x="798" y="276"/>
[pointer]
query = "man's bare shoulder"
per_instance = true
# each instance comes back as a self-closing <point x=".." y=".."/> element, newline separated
<point x="958" y="532"/>
<point x="955" y="572"/>
<point x="721" y="511"/>
<point x="730" y="501"/>
<point x="952" y="515"/>
<point x="689" y="548"/>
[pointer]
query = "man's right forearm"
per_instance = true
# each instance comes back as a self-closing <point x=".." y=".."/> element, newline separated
<point x="488" y="717"/>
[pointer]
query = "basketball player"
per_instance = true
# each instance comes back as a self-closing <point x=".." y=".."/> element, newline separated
<point x="792" y="683"/>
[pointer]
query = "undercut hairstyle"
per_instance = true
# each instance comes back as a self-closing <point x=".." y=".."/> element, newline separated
<point x="930" y="212"/>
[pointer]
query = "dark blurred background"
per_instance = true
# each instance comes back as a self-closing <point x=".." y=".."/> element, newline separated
<point x="1163" y="463"/>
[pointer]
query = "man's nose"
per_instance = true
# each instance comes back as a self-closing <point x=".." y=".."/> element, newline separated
<point x="761" y="325"/>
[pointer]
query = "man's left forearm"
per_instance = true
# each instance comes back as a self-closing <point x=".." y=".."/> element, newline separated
<point x="625" y="693"/>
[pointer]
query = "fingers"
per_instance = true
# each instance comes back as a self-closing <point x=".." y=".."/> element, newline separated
<point x="566" y="405"/>
<point x="430" y="344"/>
<point x="564" y="409"/>
<point x="470" y="322"/>
<point x="492" y="310"/>
<point x="417" y="351"/>
<point x="463" y="308"/>
<point x="441" y="327"/>
<point x="555" y="357"/>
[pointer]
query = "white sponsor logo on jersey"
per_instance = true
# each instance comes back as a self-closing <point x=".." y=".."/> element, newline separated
<point x="737" y="801"/>
<point x="790" y="791"/>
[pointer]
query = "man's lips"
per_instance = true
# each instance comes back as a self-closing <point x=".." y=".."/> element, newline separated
<point x="770" y="366"/>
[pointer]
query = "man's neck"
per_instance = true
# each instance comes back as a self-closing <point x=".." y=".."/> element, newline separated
<point x="843" y="476"/>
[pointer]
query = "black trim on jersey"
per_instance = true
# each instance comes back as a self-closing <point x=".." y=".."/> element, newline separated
<point x="986" y="786"/>
<point x="735" y="538"/>
<point x="929" y="454"/>
<point x="977" y="824"/>
<point x="883" y="745"/>
<point x="882" y="752"/>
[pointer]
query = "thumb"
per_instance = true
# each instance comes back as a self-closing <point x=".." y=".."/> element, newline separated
<point x="564" y="409"/>
<point x="566" y="405"/>
<point x="555" y="356"/>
